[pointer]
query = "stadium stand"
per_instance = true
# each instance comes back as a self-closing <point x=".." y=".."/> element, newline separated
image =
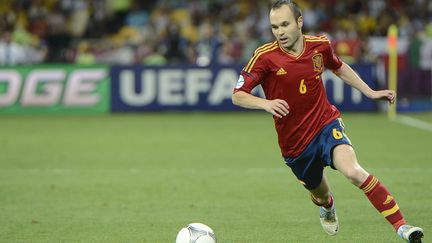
<point x="159" y="32"/>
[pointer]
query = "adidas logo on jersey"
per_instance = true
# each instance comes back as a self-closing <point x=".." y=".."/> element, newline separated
<point x="281" y="71"/>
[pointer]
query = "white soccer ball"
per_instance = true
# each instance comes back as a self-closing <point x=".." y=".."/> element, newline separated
<point x="196" y="233"/>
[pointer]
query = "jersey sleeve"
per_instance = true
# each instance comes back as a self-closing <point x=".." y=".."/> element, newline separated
<point x="252" y="74"/>
<point x="331" y="60"/>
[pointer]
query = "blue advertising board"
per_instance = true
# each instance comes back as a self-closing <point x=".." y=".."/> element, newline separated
<point x="179" y="88"/>
<point x="187" y="88"/>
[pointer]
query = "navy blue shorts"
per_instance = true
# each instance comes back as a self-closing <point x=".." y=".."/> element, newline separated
<point x="309" y="165"/>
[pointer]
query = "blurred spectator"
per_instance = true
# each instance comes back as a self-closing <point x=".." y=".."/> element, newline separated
<point x="78" y="17"/>
<point x="313" y="16"/>
<point x="173" y="44"/>
<point x="13" y="53"/>
<point x="154" y="57"/>
<point x="137" y="16"/>
<point x="84" y="56"/>
<point x="426" y="48"/>
<point x="226" y="55"/>
<point x="207" y="45"/>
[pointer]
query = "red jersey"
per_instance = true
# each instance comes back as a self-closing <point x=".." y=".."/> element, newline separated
<point x="297" y="80"/>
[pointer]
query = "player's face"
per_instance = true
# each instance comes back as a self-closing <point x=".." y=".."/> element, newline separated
<point x="285" y="27"/>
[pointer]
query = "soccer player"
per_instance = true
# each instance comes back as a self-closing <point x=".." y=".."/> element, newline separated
<point x="310" y="131"/>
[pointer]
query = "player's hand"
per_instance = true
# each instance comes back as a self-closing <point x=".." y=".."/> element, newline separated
<point x="389" y="95"/>
<point x="278" y="108"/>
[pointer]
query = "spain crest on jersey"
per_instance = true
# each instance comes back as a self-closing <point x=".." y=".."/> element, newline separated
<point x="318" y="62"/>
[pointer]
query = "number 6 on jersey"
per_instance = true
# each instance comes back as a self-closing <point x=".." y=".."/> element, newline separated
<point x="302" y="87"/>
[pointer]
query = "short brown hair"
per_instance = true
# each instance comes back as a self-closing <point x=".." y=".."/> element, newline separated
<point x="293" y="6"/>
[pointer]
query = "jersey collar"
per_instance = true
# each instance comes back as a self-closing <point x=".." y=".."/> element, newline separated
<point x="295" y="56"/>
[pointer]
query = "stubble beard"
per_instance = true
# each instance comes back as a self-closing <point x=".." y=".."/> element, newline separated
<point x="289" y="47"/>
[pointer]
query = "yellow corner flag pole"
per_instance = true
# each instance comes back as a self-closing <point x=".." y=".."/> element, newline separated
<point x="392" y="36"/>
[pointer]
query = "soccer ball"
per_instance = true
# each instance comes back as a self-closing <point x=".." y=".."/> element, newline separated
<point x="196" y="233"/>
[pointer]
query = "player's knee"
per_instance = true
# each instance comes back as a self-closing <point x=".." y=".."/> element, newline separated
<point x="356" y="175"/>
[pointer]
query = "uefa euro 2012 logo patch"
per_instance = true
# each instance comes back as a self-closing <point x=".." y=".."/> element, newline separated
<point x="240" y="82"/>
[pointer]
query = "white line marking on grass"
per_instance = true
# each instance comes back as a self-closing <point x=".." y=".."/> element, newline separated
<point x="404" y="169"/>
<point x="412" y="122"/>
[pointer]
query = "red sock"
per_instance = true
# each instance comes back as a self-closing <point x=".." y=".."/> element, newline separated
<point x="383" y="201"/>
<point x="327" y="205"/>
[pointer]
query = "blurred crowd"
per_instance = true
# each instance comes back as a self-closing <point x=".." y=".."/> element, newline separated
<point x="201" y="32"/>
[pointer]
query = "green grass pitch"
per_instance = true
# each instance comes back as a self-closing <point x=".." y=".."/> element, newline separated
<point x="142" y="177"/>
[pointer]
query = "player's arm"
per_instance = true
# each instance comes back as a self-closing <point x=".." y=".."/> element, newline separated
<point x="350" y="77"/>
<point x="277" y="107"/>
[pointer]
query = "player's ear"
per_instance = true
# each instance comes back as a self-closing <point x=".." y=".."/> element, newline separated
<point x="300" y="22"/>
